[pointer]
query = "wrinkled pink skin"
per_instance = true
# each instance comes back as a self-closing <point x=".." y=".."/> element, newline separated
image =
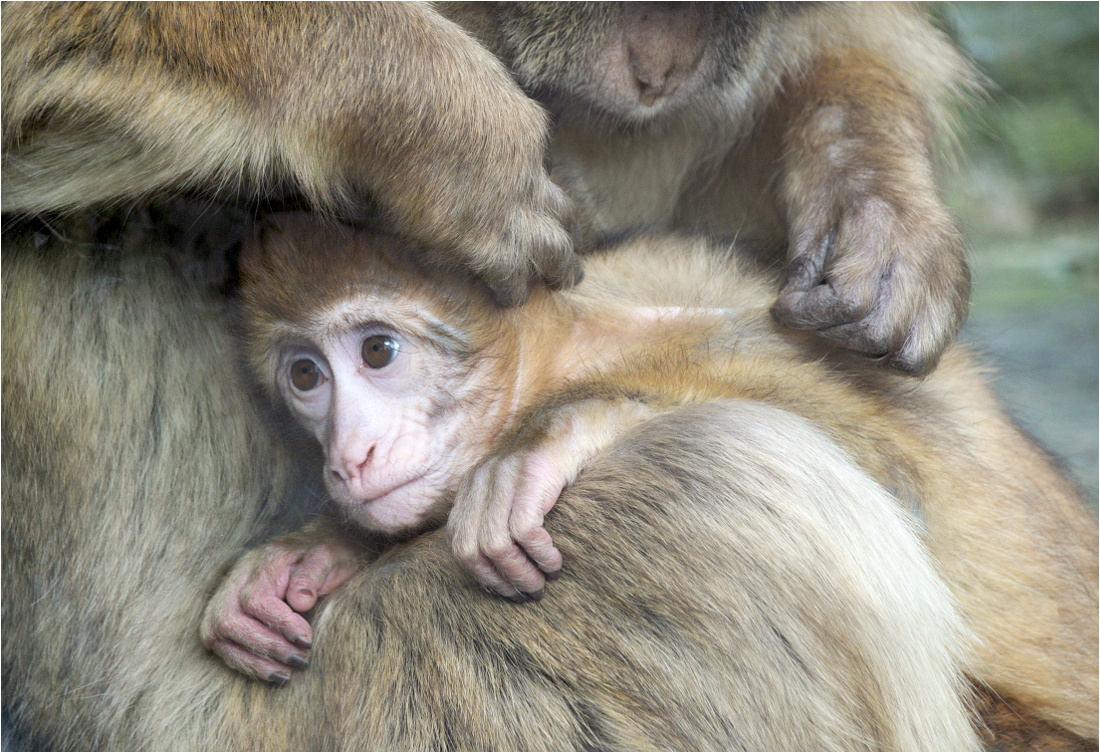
<point x="389" y="448"/>
<point x="254" y="621"/>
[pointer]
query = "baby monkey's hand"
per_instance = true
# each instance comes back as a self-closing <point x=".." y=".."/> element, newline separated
<point x="496" y="524"/>
<point x="255" y="619"/>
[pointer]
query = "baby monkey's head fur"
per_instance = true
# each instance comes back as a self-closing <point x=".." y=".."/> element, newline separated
<point x="299" y="268"/>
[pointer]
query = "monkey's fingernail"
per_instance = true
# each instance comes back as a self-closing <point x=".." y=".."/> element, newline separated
<point x="552" y="576"/>
<point x="278" y="678"/>
<point x="306" y="592"/>
<point x="297" y="662"/>
<point x="535" y="595"/>
<point x="518" y="598"/>
<point x="303" y="643"/>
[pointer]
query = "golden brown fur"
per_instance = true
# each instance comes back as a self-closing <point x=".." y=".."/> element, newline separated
<point x="808" y="131"/>
<point x="658" y="637"/>
<point x="1005" y="727"/>
<point x="1008" y="530"/>
<point x="108" y="102"/>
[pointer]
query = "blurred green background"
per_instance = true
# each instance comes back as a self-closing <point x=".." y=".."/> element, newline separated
<point x="1026" y="190"/>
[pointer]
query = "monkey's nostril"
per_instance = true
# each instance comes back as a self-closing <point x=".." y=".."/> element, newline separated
<point x="362" y="471"/>
<point x="348" y="471"/>
<point x="648" y="93"/>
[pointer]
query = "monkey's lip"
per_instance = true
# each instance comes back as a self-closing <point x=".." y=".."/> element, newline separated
<point x="397" y="508"/>
<point x="395" y="488"/>
<point x="353" y="494"/>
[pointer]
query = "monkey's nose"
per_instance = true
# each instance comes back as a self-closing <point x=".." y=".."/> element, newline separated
<point x="664" y="46"/>
<point x="655" y="75"/>
<point x="351" y="470"/>
<point x="652" y="88"/>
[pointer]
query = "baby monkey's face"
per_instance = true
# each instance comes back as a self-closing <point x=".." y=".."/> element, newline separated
<point x="391" y="392"/>
<point x="385" y="364"/>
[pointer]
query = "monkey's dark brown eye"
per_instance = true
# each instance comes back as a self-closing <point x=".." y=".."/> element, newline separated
<point x="379" y="351"/>
<point x="304" y="375"/>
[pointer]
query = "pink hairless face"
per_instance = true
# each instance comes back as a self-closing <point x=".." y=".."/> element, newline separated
<point x="376" y="361"/>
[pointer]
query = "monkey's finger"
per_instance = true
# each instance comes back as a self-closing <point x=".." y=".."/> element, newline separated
<point x="820" y="307"/>
<point x="304" y="589"/>
<point x="827" y="283"/>
<point x="555" y="258"/>
<point x="511" y="288"/>
<point x="245" y="662"/>
<point x="466" y="547"/>
<point x="542" y="486"/>
<point x="488" y="576"/>
<point x="919" y="329"/>
<point x="494" y="535"/>
<point x="512" y="563"/>
<point x="276" y="615"/>
<point x="319" y="573"/>
<point x="918" y="355"/>
<point x="871" y="334"/>
<point x="566" y="275"/>
<point x="511" y="571"/>
<point x="559" y="267"/>
<point x="484" y="573"/>
<point x="806" y="270"/>
<point x="257" y="638"/>
<point x="904" y="351"/>
<point x="865" y="337"/>
<point x="540" y="549"/>
<point x="911" y="359"/>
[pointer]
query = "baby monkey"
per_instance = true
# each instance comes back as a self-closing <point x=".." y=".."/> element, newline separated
<point x="429" y="400"/>
<point x="408" y="379"/>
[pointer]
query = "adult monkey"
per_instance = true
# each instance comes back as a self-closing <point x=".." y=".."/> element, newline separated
<point x="806" y="130"/>
<point x="109" y="102"/>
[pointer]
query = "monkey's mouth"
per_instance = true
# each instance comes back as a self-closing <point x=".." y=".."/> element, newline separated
<point x="399" y="508"/>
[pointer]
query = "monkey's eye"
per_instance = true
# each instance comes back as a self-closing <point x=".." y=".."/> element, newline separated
<point x="304" y="375"/>
<point x="379" y="351"/>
